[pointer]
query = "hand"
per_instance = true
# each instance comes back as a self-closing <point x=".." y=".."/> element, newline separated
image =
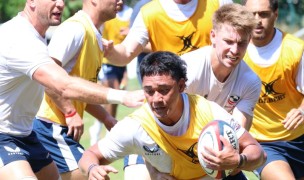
<point x="294" y="119"/>
<point x="134" y="98"/>
<point x="226" y="159"/>
<point x="75" y="126"/>
<point x="101" y="172"/>
<point x="108" y="46"/>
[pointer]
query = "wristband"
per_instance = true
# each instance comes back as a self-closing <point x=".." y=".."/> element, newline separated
<point x="115" y="96"/>
<point x="70" y="114"/>
<point x="243" y="160"/>
<point x="91" y="167"/>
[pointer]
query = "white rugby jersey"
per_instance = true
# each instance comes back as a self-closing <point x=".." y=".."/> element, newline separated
<point x="241" y="89"/>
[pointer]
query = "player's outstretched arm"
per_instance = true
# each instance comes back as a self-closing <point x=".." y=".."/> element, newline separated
<point x="121" y="54"/>
<point x="55" y="78"/>
<point x="89" y="164"/>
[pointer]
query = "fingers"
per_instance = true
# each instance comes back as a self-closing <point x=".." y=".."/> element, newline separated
<point x="134" y="98"/>
<point x="101" y="172"/>
<point x="75" y="127"/>
<point x="293" y="119"/>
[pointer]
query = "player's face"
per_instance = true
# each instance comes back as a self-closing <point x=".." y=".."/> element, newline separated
<point x="108" y="9"/>
<point x="163" y="95"/>
<point x="229" y="45"/>
<point x="264" y="31"/>
<point x="49" y="12"/>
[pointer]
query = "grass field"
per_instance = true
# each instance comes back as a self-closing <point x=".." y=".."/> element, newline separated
<point x="123" y="111"/>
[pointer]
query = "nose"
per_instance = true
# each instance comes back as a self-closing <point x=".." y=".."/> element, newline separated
<point x="119" y="2"/>
<point x="60" y="4"/>
<point x="234" y="49"/>
<point x="257" y="16"/>
<point x="157" y="97"/>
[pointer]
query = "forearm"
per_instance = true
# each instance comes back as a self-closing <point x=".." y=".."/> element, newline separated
<point x="101" y="115"/>
<point x="75" y="88"/>
<point x="255" y="155"/>
<point x="118" y="55"/>
<point x="65" y="105"/>
<point x="122" y="54"/>
<point x="88" y="159"/>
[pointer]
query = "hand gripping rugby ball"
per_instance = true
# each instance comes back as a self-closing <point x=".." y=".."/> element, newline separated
<point x="210" y="136"/>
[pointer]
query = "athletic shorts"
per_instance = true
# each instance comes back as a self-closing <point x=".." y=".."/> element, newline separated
<point x="288" y="151"/>
<point x="64" y="150"/>
<point x="109" y="72"/>
<point x="27" y="148"/>
<point x="137" y="159"/>
<point x="133" y="159"/>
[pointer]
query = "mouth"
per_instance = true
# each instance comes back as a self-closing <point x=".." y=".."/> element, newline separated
<point x="159" y="109"/>
<point x="258" y="29"/>
<point x="57" y="15"/>
<point x="232" y="58"/>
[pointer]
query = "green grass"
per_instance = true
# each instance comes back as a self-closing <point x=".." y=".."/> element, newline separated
<point x="122" y="112"/>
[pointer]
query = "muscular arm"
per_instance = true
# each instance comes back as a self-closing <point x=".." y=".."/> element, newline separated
<point x="55" y="78"/>
<point x="122" y="54"/>
<point x="101" y="115"/>
<point x="89" y="164"/>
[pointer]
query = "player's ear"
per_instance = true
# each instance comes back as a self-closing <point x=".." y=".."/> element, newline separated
<point x="182" y="85"/>
<point x="212" y="37"/>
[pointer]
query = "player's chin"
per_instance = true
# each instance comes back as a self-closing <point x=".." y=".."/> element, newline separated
<point x="55" y="21"/>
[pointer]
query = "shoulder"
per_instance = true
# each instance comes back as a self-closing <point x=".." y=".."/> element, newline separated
<point x="70" y="28"/>
<point x="246" y="73"/>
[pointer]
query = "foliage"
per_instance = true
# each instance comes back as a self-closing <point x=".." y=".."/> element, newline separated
<point x="10" y="8"/>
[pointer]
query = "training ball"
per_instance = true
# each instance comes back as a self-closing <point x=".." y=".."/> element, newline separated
<point x="210" y="136"/>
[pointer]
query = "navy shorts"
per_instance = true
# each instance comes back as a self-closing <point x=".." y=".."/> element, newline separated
<point x="291" y="152"/>
<point x="27" y="148"/>
<point x="64" y="150"/>
<point x="133" y="159"/>
<point x="109" y="72"/>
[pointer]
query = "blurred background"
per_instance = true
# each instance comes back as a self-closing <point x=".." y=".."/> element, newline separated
<point x="290" y="12"/>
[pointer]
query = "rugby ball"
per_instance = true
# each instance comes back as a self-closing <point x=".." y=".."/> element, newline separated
<point x="210" y="136"/>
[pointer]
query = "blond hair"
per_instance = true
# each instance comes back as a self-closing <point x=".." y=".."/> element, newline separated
<point x="235" y="15"/>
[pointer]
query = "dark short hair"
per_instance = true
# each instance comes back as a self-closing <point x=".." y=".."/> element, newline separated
<point x="163" y="63"/>
<point x="274" y="4"/>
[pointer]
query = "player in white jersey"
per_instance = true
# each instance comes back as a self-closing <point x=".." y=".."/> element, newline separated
<point x="237" y="93"/>
<point x="166" y="129"/>
<point x="25" y="69"/>
<point x="218" y="72"/>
